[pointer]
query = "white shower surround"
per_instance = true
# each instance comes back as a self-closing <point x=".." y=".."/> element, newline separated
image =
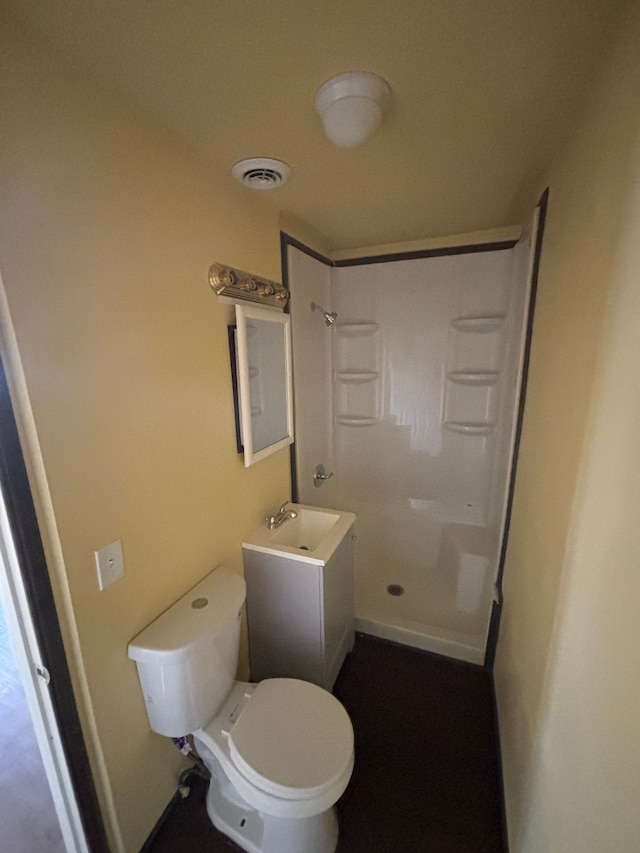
<point x="410" y="399"/>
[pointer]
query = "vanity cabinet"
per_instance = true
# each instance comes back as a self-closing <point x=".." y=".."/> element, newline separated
<point x="300" y="614"/>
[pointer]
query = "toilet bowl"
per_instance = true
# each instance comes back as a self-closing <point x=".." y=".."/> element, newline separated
<point x="280" y="752"/>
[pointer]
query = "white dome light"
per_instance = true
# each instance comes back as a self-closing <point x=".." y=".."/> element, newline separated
<point x="351" y="106"/>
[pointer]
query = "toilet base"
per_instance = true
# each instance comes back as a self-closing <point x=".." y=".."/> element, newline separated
<point x="260" y="833"/>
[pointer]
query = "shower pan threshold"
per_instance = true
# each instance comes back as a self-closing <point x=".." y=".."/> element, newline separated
<point x="453" y="644"/>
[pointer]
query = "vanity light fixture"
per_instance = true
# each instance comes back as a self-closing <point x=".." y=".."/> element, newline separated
<point x="352" y="106"/>
<point x="232" y="284"/>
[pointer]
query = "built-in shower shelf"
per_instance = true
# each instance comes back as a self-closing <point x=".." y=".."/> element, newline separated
<point x="474" y="377"/>
<point x="355" y="420"/>
<point x="486" y="323"/>
<point x="356" y="376"/>
<point x="253" y="372"/>
<point x="470" y="427"/>
<point x="356" y="329"/>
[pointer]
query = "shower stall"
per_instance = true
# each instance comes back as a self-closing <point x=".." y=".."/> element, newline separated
<point x="407" y="394"/>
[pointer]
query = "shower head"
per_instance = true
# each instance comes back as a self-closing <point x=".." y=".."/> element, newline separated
<point x="329" y="317"/>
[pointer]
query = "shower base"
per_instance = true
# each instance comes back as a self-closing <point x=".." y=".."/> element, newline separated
<point x="441" y="641"/>
<point x="424" y="617"/>
<point x="437" y="597"/>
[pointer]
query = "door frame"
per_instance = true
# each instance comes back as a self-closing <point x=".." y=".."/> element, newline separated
<point x="40" y="643"/>
<point x="496" y="609"/>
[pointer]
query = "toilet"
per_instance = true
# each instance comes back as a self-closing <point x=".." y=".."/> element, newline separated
<point x="280" y="752"/>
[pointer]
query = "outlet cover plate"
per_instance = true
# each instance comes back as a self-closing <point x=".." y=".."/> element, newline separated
<point x="109" y="564"/>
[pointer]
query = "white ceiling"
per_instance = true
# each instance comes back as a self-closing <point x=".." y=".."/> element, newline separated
<point x="482" y="92"/>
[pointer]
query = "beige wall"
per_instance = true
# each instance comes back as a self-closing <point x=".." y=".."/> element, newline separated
<point x="568" y="665"/>
<point x="107" y="231"/>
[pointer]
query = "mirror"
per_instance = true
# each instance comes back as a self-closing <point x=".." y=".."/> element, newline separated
<point x="263" y="379"/>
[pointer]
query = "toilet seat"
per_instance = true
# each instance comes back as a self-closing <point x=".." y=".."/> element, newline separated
<point x="263" y="776"/>
<point x="292" y="739"/>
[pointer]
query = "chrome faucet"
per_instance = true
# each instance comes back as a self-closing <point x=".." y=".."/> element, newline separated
<point x="274" y="521"/>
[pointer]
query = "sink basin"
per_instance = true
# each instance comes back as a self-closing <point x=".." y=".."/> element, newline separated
<point x="307" y="530"/>
<point x="312" y="537"/>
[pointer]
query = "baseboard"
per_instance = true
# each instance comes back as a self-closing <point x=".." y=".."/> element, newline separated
<point x="503" y="803"/>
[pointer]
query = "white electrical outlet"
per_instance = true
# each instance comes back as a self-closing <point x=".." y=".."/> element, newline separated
<point x="109" y="564"/>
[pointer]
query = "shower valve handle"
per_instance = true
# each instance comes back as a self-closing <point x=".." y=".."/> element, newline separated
<point x="320" y="476"/>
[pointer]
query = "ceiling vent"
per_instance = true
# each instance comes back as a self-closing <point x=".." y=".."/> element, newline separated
<point x="261" y="173"/>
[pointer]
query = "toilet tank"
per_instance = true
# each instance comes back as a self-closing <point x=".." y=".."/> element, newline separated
<point x="187" y="657"/>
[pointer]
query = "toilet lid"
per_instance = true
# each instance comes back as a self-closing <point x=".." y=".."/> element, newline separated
<point x="293" y="739"/>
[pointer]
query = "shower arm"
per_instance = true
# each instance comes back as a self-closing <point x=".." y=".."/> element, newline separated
<point x="329" y="316"/>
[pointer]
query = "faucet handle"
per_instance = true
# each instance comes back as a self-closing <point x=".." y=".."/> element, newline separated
<point x="320" y="476"/>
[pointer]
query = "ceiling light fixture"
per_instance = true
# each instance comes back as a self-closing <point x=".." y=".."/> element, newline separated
<point x="352" y="105"/>
<point x="261" y="173"/>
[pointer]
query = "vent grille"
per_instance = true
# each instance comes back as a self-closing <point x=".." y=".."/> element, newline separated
<point x="262" y="179"/>
<point x="261" y="173"/>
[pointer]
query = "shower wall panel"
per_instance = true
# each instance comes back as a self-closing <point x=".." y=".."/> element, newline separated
<point x="310" y="281"/>
<point x="435" y="359"/>
<point x="416" y="424"/>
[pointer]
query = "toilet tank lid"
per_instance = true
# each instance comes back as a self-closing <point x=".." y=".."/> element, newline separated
<point x="200" y="613"/>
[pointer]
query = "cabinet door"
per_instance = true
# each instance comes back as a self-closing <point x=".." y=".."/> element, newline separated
<point x="284" y="617"/>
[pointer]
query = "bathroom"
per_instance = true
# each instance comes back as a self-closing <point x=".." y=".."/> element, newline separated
<point x="109" y="225"/>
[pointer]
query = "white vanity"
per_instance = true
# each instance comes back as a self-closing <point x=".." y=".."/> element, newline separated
<point x="300" y="595"/>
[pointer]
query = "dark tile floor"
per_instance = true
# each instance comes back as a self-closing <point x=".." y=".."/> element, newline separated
<point x="427" y="771"/>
